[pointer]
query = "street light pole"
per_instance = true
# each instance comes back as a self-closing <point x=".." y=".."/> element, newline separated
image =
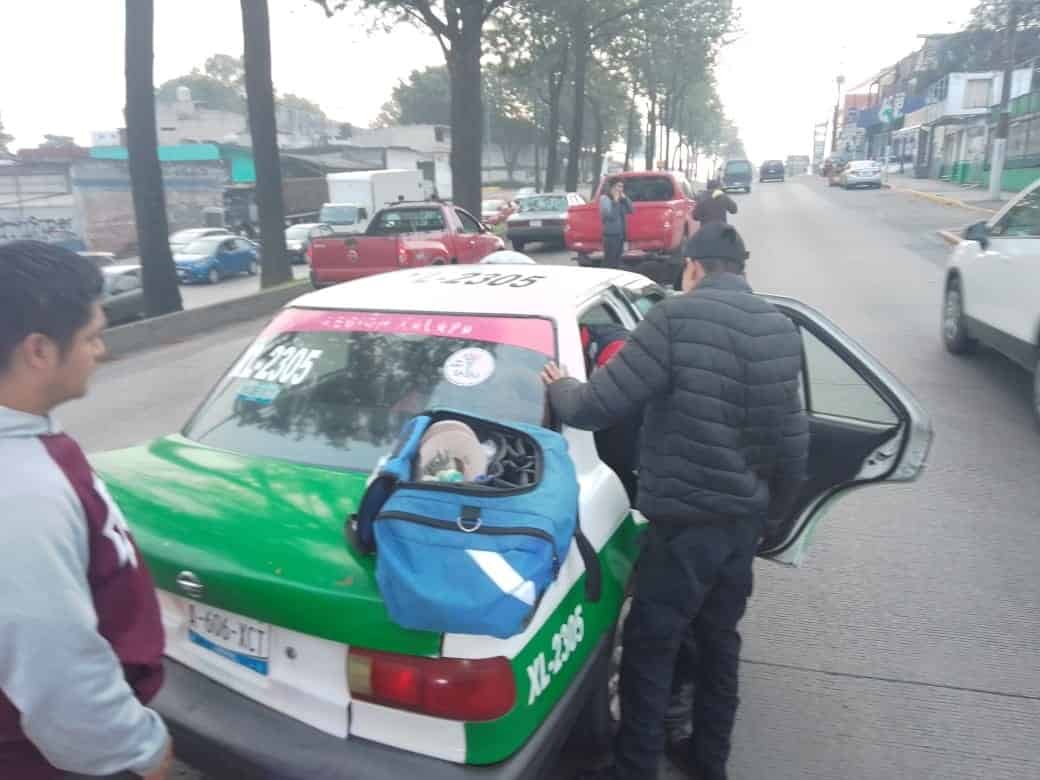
<point x="834" y="125"/>
<point x="996" y="168"/>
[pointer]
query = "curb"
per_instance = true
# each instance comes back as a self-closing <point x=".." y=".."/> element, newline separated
<point x="943" y="200"/>
<point x="178" y="326"/>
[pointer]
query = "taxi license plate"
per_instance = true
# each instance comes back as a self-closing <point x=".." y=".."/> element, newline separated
<point x="536" y="223"/>
<point x="238" y="639"/>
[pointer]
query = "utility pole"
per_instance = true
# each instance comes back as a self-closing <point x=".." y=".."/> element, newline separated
<point x="996" y="167"/>
<point x="834" y="125"/>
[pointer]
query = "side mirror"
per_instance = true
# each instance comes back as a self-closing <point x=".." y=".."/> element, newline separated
<point x="978" y="232"/>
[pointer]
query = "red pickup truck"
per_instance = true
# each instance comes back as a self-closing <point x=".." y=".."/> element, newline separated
<point x="407" y="235"/>
<point x="660" y="222"/>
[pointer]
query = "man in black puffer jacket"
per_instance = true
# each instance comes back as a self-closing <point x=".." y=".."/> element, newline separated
<point x="724" y="448"/>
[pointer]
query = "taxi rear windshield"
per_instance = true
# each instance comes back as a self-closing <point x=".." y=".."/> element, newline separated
<point x="334" y="388"/>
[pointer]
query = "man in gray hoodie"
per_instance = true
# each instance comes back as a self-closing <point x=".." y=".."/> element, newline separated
<point x="81" y="638"/>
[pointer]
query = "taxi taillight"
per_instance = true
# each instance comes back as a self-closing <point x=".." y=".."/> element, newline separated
<point x="453" y="688"/>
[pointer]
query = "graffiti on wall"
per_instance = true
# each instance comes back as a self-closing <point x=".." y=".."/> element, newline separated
<point x="55" y="230"/>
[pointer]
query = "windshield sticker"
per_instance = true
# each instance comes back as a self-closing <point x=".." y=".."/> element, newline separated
<point x="285" y="364"/>
<point x="533" y="333"/>
<point x="259" y="392"/>
<point x="469" y="367"/>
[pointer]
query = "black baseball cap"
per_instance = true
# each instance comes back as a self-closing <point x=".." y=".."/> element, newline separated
<point x="718" y="241"/>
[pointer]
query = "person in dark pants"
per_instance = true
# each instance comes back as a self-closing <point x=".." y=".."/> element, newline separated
<point x="714" y="205"/>
<point x="723" y="454"/>
<point x="613" y="208"/>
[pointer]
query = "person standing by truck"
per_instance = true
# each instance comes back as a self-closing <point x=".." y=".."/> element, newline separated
<point x="614" y="206"/>
<point x="714" y="204"/>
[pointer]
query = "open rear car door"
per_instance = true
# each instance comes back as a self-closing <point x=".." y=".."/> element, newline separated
<point x="866" y="427"/>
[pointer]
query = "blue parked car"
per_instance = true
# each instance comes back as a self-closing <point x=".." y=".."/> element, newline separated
<point x="213" y="258"/>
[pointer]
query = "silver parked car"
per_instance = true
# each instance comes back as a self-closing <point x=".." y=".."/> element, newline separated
<point x="541" y="218"/>
<point x="298" y="238"/>
<point x="861" y="173"/>
<point x="122" y="298"/>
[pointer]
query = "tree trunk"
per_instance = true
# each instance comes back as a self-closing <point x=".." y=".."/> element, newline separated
<point x="582" y="43"/>
<point x="537" y="166"/>
<point x="263" y="128"/>
<point x="630" y="132"/>
<point x="651" y="132"/>
<point x="467" y="108"/>
<point x="159" y="276"/>
<point x="667" y="128"/>
<point x="599" y="153"/>
<point x="552" y="162"/>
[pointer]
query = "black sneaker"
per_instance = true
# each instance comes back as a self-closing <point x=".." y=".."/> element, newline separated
<point x="680" y="753"/>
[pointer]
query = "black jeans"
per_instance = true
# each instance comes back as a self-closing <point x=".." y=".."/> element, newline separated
<point x="613" y="248"/>
<point x="693" y="581"/>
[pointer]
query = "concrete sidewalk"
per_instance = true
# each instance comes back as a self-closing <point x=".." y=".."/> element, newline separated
<point x="974" y="199"/>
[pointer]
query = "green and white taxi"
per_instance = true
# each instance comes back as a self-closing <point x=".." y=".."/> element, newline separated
<point x="282" y="660"/>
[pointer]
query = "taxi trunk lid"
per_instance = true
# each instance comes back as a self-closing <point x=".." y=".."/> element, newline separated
<point x="264" y="539"/>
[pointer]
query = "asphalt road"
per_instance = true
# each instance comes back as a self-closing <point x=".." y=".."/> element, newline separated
<point x="907" y="645"/>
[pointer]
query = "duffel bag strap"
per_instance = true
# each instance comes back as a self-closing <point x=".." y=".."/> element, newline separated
<point x="593" y="572"/>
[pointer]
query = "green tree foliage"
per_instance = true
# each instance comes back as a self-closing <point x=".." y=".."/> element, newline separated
<point x="424" y="98"/>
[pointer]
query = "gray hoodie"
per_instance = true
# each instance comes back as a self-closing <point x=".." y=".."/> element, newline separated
<point x="81" y="637"/>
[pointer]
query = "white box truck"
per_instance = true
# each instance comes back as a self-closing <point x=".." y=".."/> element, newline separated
<point x="355" y="197"/>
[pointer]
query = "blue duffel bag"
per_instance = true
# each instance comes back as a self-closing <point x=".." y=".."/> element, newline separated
<point x="473" y="557"/>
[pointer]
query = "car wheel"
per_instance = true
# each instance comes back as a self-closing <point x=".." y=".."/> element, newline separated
<point x="598" y="722"/>
<point x="213" y="276"/>
<point x="517" y="244"/>
<point x="586" y="261"/>
<point x="955" y="335"/>
<point x="252" y="268"/>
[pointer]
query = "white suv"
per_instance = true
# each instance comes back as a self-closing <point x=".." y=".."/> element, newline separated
<point x="993" y="287"/>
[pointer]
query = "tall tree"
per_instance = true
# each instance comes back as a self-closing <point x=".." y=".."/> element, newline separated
<point x="205" y="89"/>
<point x="424" y="99"/>
<point x="159" y="276"/>
<point x="256" y="31"/>
<point x="534" y="44"/>
<point x="458" y="26"/>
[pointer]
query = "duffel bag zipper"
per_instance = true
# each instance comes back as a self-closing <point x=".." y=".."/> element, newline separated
<point x="460" y="525"/>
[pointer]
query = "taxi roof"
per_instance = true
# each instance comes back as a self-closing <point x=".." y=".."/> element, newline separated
<point x="555" y="292"/>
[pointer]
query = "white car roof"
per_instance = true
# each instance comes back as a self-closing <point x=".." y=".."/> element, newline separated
<point x="556" y="294"/>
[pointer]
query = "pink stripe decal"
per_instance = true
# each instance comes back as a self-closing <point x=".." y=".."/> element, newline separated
<point x="526" y="332"/>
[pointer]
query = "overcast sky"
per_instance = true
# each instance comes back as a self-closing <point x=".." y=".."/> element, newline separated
<point x="61" y="62"/>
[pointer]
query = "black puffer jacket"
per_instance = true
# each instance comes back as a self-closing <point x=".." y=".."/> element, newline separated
<point x="724" y="430"/>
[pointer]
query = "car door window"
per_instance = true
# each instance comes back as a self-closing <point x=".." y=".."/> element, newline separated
<point x="643" y="299"/>
<point x="1022" y="220"/>
<point x="469" y="224"/>
<point x="833" y="389"/>
<point x="600" y="314"/>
